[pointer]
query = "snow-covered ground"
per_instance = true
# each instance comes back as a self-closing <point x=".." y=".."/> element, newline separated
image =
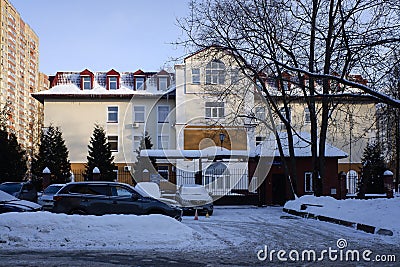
<point x="244" y="229"/>
<point x="45" y="230"/>
<point x="381" y="212"/>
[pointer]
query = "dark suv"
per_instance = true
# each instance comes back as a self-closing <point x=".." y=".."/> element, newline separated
<point x="21" y="190"/>
<point x="99" y="198"/>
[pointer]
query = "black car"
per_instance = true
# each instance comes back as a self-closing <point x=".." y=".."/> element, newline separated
<point x="21" y="190"/>
<point x="99" y="198"/>
<point x="9" y="203"/>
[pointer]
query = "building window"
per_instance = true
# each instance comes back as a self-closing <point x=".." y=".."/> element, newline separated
<point x="308" y="187"/>
<point x="259" y="139"/>
<point x="214" y="110"/>
<point x="112" y="83"/>
<point x="136" y="142"/>
<point x="139" y="113"/>
<point x="162" y="141"/>
<point x="260" y="113"/>
<point x="139" y="84"/>
<point x="113" y="141"/>
<point x="112" y="114"/>
<point x="307" y="116"/>
<point x="162" y="83"/>
<point x="215" y="72"/>
<point x="163" y="172"/>
<point x="87" y="83"/>
<point x="234" y="76"/>
<point x="195" y="76"/>
<point x="163" y="112"/>
<point x="283" y="112"/>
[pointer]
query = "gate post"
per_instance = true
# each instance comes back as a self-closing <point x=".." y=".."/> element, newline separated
<point x="342" y="185"/>
<point x="388" y="183"/>
<point x="96" y="174"/>
<point x="46" y="178"/>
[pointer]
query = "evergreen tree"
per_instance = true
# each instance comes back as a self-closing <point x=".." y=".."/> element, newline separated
<point x="12" y="158"/>
<point x="143" y="163"/>
<point x="53" y="154"/>
<point x="100" y="156"/>
<point x="373" y="167"/>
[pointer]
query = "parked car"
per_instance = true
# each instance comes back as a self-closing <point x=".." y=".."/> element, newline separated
<point x="195" y="197"/>
<point x="9" y="203"/>
<point x="21" y="190"/>
<point x="46" y="198"/>
<point x="99" y="198"/>
<point x="151" y="189"/>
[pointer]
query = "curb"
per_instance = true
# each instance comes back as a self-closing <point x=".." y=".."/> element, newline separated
<point x="358" y="226"/>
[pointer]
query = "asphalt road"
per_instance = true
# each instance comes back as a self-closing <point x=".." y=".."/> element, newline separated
<point x="233" y="237"/>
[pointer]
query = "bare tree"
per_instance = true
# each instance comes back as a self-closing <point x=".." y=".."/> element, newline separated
<point x="318" y="42"/>
<point x="389" y="117"/>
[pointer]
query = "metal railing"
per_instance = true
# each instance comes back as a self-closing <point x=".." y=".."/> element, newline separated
<point x="226" y="182"/>
<point x="121" y="176"/>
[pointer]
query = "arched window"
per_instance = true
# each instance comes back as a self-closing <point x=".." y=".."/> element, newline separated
<point x="215" y="72"/>
<point x="217" y="176"/>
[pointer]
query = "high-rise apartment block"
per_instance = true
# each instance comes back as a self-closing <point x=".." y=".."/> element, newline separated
<point x="19" y="75"/>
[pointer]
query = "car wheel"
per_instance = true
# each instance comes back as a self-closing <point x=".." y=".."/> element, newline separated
<point x="210" y="212"/>
<point x="178" y="218"/>
<point x="78" y="212"/>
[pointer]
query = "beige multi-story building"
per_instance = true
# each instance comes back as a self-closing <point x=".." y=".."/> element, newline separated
<point x="125" y="104"/>
<point x="19" y="76"/>
<point x="209" y="127"/>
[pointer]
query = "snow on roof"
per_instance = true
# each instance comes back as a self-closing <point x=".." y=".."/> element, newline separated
<point x="302" y="148"/>
<point x="73" y="90"/>
<point x="69" y="84"/>
<point x="179" y="154"/>
<point x="292" y="81"/>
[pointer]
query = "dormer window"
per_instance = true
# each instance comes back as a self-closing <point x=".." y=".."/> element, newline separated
<point x="87" y="78"/>
<point x="139" y="83"/>
<point x="87" y="83"/>
<point x="162" y="83"/>
<point x="113" y="83"/>
<point x="113" y="80"/>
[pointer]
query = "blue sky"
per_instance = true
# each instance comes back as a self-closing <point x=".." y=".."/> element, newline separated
<point x="99" y="35"/>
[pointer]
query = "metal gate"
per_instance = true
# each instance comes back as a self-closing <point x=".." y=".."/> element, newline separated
<point x="352" y="182"/>
<point x="219" y="183"/>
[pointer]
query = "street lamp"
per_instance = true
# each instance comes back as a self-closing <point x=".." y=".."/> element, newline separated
<point x="221" y="138"/>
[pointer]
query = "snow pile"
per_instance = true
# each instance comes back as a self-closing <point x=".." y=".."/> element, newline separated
<point x="44" y="230"/>
<point x="381" y="213"/>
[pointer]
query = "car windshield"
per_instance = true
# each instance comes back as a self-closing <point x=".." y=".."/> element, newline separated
<point x="11" y="188"/>
<point x="52" y="189"/>
<point x="191" y="190"/>
<point x="4" y="197"/>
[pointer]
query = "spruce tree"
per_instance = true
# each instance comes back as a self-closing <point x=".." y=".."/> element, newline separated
<point x="53" y="154"/>
<point x="373" y="167"/>
<point x="12" y="158"/>
<point x="143" y="163"/>
<point x="100" y="156"/>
